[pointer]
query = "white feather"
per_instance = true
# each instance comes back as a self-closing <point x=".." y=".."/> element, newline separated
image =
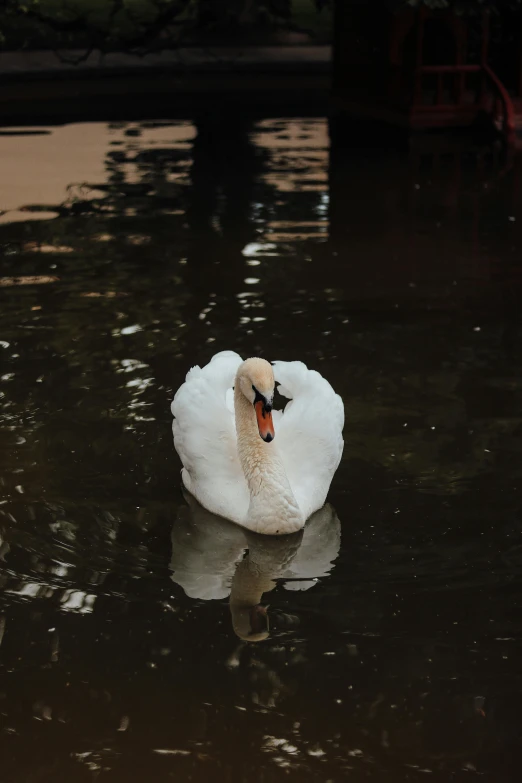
<point x="205" y="438"/>
<point x="309" y="435"/>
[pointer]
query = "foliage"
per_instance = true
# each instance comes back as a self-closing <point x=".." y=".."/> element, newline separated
<point x="138" y="24"/>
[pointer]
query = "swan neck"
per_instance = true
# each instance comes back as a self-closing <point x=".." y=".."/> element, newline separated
<point x="246" y="425"/>
<point x="258" y="459"/>
<point x="249" y="584"/>
<point x="247" y="589"/>
<point x="273" y="509"/>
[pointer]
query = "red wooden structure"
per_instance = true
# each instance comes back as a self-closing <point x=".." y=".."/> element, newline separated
<point x="416" y="69"/>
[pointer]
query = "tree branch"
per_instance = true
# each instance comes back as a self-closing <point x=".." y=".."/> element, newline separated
<point x="102" y="37"/>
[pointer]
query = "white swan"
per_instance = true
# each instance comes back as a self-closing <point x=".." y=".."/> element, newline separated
<point x="224" y="439"/>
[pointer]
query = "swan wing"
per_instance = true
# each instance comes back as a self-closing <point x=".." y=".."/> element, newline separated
<point x="309" y="433"/>
<point x="205" y="437"/>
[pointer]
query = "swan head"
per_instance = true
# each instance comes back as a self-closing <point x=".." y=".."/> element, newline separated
<point x="250" y="624"/>
<point x="255" y="378"/>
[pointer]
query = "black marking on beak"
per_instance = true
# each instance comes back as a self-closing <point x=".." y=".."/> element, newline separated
<point x="267" y="406"/>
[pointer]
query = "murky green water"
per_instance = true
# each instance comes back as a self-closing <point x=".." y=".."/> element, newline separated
<point x="131" y="252"/>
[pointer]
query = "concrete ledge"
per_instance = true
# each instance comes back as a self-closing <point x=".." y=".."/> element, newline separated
<point x="38" y="86"/>
<point x="43" y="64"/>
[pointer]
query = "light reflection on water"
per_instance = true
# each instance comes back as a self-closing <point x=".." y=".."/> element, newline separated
<point x="391" y="646"/>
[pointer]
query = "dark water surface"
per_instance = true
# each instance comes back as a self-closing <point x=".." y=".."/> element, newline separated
<point x="131" y="252"/>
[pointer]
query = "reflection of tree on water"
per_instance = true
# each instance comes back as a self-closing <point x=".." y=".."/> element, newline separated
<point x="87" y="440"/>
<point x="421" y="240"/>
<point x="127" y="301"/>
<point x="411" y="217"/>
<point x="219" y="215"/>
<point x="87" y="335"/>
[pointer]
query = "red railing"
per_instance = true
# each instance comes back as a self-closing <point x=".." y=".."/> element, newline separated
<point x="487" y="94"/>
<point x="459" y="84"/>
<point x="503" y="110"/>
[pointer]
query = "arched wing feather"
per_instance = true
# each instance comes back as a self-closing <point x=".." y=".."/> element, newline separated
<point x="205" y="437"/>
<point x="309" y="433"/>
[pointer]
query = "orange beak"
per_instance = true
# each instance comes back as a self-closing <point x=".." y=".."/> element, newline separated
<point x="264" y="422"/>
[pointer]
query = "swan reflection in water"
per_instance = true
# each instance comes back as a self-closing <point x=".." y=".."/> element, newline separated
<point x="215" y="559"/>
